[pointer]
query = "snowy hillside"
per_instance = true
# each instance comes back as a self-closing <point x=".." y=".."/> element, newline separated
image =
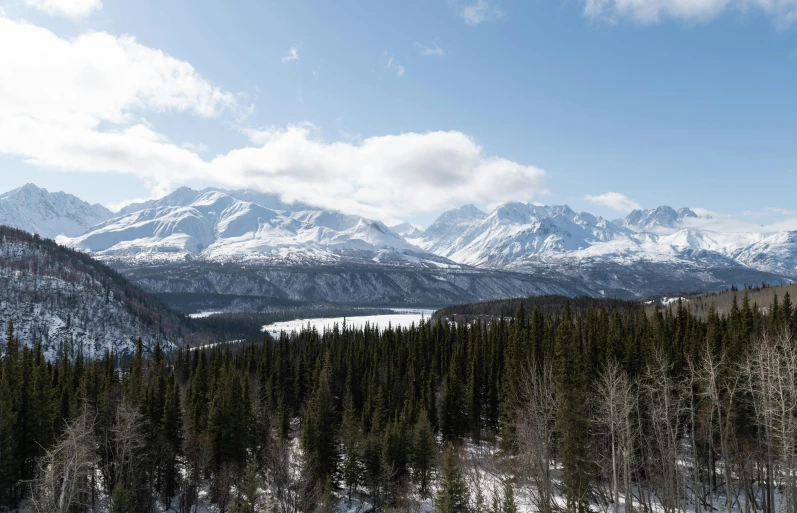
<point x="55" y="295"/>
<point x="49" y="214"/>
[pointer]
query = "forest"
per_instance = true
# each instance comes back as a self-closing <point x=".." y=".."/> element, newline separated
<point x="575" y="409"/>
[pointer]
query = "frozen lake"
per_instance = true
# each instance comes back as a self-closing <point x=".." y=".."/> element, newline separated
<point x="400" y="317"/>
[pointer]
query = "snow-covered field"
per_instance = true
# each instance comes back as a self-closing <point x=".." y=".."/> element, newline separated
<point x="399" y="318"/>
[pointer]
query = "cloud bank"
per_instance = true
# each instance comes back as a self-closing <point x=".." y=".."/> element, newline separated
<point x="93" y="122"/>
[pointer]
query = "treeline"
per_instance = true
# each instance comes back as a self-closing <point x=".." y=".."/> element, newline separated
<point x="596" y="408"/>
<point x="547" y="305"/>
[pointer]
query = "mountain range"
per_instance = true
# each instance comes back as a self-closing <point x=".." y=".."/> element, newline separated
<point x="250" y="243"/>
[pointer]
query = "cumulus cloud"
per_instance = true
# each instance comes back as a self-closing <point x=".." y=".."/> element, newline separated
<point x="293" y="54"/>
<point x="92" y="122"/>
<point x="68" y="8"/>
<point x="614" y="200"/>
<point x="429" y="51"/>
<point x="475" y="12"/>
<point x="654" y="11"/>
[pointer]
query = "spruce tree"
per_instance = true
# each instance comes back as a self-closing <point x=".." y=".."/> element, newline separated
<point x="319" y="434"/>
<point x="572" y="422"/>
<point x="351" y="438"/>
<point x="423" y="454"/>
<point x="452" y="496"/>
<point x="509" y="505"/>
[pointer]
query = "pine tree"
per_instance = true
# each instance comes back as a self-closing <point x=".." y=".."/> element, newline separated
<point x="351" y="447"/>
<point x="514" y="360"/>
<point x="423" y="454"/>
<point x="319" y="436"/>
<point x="452" y="496"/>
<point x="572" y="422"/>
<point x="509" y="505"/>
<point x="121" y="500"/>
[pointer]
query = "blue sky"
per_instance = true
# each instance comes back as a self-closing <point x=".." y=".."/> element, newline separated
<point x="669" y="102"/>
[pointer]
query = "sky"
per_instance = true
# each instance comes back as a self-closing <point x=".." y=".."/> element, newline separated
<point x="401" y="110"/>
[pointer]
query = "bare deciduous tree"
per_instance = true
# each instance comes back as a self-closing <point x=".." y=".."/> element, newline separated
<point x="536" y="425"/>
<point x="665" y="396"/>
<point x="615" y="402"/>
<point x="65" y="471"/>
<point x="771" y="380"/>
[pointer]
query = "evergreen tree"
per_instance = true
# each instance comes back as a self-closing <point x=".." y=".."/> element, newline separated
<point x="319" y="436"/>
<point x="423" y="454"/>
<point x="572" y="422"/>
<point x="452" y="496"/>
<point x="351" y="447"/>
<point x="509" y="505"/>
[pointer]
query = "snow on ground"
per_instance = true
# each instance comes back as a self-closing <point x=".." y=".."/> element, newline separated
<point x="399" y="318"/>
<point x="202" y="315"/>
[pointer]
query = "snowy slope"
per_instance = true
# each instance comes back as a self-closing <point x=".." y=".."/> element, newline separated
<point x="520" y="236"/>
<point x="515" y="232"/>
<point x="49" y="214"/>
<point x="217" y="226"/>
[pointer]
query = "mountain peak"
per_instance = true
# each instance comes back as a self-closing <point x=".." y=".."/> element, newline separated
<point x="49" y="214"/>
<point x="660" y="217"/>
<point x="462" y="213"/>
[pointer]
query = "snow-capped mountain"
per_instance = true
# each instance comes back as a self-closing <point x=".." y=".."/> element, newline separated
<point x="520" y="236"/>
<point x="516" y="232"/>
<point x="49" y="214"/>
<point x="538" y="248"/>
<point x="217" y="226"/>
<point x="658" y="219"/>
<point x="407" y="231"/>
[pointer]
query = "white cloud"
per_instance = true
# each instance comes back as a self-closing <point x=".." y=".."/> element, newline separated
<point x="92" y="122"/>
<point x="387" y="177"/>
<point x="394" y="65"/>
<point x="655" y="11"/>
<point x="293" y="54"/>
<point x="68" y="8"/>
<point x="433" y="50"/>
<point x="475" y="12"/>
<point x="614" y="200"/>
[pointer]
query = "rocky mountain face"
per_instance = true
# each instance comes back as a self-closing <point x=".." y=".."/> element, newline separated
<point x="49" y="214"/>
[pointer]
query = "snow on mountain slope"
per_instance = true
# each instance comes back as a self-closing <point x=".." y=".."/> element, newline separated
<point x="49" y="214"/>
<point x="775" y="253"/>
<point x="515" y="232"/>
<point x="408" y="231"/>
<point x="520" y="236"/>
<point x="214" y="225"/>
<point x="659" y="219"/>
